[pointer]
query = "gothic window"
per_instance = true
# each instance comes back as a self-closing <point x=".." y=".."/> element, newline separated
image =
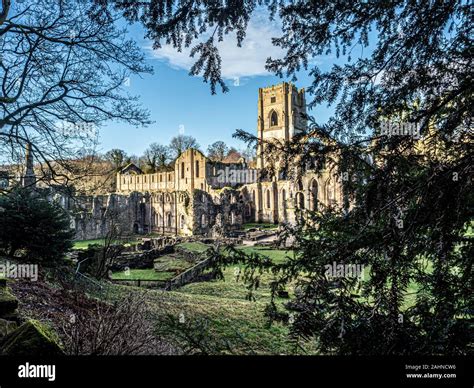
<point x="182" y="222"/>
<point x="273" y="119"/>
<point x="168" y="220"/>
<point x="300" y="200"/>
<point x="313" y="190"/>
<point x="182" y="170"/>
<point x="197" y="168"/>
<point x="269" y="205"/>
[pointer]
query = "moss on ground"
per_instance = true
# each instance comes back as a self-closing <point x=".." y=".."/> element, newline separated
<point x="32" y="337"/>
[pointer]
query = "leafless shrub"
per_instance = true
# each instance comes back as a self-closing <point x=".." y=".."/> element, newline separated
<point x="120" y="328"/>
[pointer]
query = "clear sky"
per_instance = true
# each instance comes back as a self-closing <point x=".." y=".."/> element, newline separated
<point x="180" y="103"/>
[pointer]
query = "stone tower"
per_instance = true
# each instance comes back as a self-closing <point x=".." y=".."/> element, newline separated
<point x="29" y="179"/>
<point x="281" y="114"/>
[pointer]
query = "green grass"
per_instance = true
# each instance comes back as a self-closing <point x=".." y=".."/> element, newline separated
<point x="278" y="256"/>
<point x="171" y="263"/>
<point x="84" y="244"/>
<point x="259" y="225"/>
<point x="142" y="274"/>
<point x="223" y="305"/>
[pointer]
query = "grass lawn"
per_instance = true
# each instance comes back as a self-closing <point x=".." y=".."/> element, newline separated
<point x="171" y="263"/>
<point x="142" y="274"/>
<point x="229" y="315"/>
<point x="276" y="255"/>
<point x="84" y="244"/>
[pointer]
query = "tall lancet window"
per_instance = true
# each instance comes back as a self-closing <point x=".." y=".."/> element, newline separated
<point x="273" y="119"/>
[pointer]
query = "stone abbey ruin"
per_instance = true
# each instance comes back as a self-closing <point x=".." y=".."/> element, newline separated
<point x="197" y="196"/>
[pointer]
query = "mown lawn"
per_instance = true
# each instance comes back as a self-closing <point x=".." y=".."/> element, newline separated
<point x="229" y="316"/>
<point x="84" y="244"/>
<point x="142" y="274"/>
<point x="172" y="263"/>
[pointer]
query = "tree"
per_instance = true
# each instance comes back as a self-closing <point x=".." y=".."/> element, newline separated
<point x="157" y="156"/>
<point x="117" y="157"/>
<point x="410" y="221"/>
<point x="181" y="143"/>
<point x="217" y="151"/>
<point x="64" y="72"/>
<point x="28" y="221"/>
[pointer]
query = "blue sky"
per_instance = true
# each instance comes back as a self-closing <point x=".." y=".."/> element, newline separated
<point x="180" y="103"/>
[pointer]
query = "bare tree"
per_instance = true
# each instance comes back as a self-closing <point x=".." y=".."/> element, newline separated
<point x="157" y="156"/>
<point x="181" y="143"/>
<point x="117" y="157"/>
<point x="62" y="74"/>
<point x="217" y="151"/>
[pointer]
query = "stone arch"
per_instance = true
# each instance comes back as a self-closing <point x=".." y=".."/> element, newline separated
<point x="299" y="200"/>
<point x="273" y="119"/>
<point x="313" y="194"/>
<point x="330" y="192"/>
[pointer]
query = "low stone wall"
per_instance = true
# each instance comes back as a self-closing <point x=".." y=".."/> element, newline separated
<point x="140" y="260"/>
<point x="141" y="283"/>
<point x="188" y="276"/>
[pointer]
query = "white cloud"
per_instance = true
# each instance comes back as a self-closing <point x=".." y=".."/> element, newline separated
<point x="246" y="61"/>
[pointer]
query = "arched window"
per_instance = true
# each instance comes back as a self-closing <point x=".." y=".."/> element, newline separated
<point x="273" y="119"/>
<point x="269" y="205"/>
<point x="182" y="170"/>
<point x="330" y="192"/>
<point x="313" y="190"/>
<point x="182" y="222"/>
<point x="283" y="198"/>
<point x="168" y="220"/>
<point x="300" y="200"/>
<point x="197" y="168"/>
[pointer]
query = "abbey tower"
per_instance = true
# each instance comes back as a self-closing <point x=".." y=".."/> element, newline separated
<point x="281" y="114"/>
